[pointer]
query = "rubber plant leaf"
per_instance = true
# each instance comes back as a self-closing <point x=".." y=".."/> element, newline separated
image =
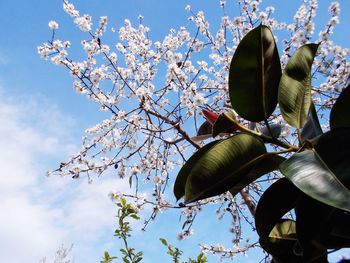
<point x="282" y="241"/>
<point x="312" y="126"/>
<point x="339" y="117"/>
<point x="334" y="149"/>
<point x="275" y="128"/>
<point x="254" y="75"/>
<point x="265" y="164"/>
<point x="281" y="197"/>
<point x="205" y="131"/>
<point x="180" y="182"/>
<point x="214" y="170"/>
<point x="311" y="175"/>
<point x="294" y="93"/>
<point x="226" y="123"/>
<point x="275" y="202"/>
<point x="321" y="225"/>
<point x="339" y="231"/>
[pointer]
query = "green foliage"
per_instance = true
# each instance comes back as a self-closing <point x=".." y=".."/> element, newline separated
<point x="176" y="253"/>
<point x="226" y="123"/>
<point x="312" y="126"/>
<point x="339" y="117"/>
<point x="218" y="167"/>
<point x="294" y="93"/>
<point x="311" y="175"/>
<point x="125" y="212"/>
<point x="255" y="72"/>
<point x="107" y="258"/>
<point x="316" y="183"/>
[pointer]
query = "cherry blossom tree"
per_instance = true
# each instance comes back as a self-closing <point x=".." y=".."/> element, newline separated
<point x="164" y="96"/>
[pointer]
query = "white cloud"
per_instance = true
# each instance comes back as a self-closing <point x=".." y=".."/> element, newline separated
<point x="3" y="59"/>
<point x="38" y="214"/>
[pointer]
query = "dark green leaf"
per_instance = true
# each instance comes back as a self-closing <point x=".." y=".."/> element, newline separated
<point x="180" y="182"/>
<point x="282" y="241"/>
<point x="321" y="225"/>
<point x="276" y="130"/>
<point x="340" y="117"/>
<point x="312" y="126"/>
<point x="204" y="132"/>
<point x="334" y="149"/>
<point x="294" y="93"/>
<point x="311" y="221"/>
<point x="205" y="129"/>
<point x="254" y="76"/>
<point x="339" y="230"/>
<point x="265" y="164"/>
<point x="276" y="201"/>
<point x="311" y="175"/>
<point x="212" y="172"/>
<point x="225" y="123"/>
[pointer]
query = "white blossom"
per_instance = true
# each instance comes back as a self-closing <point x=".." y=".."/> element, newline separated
<point x="53" y="25"/>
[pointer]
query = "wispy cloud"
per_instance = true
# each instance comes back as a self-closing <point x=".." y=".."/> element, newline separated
<point x="3" y="59"/>
<point x="38" y="213"/>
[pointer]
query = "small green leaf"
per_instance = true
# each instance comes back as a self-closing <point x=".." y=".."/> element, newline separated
<point x="164" y="242"/>
<point x="204" y="132"/>
<point x="339" y="117"/>
<point x="205" y="129"/>
<point x="294" y="93"/>
<point x="254" y="76"/>
<point x="180" y="182"/>
<point x="312" y="126"/>
<point x="311" y="175"/>
<point x="225" y="123"/>
<point x="265" y="164"/>
<point x="213" y="171"/>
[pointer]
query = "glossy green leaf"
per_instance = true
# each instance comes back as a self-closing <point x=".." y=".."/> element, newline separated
<point x="265" y="164"/>
<point x="311" y="175"/>
<point x="283" y="230"/>
<point x="275" y="202"/>
<point x="312" y="126"/>
<point x="311" y="221"/>
<point x="340" y="117"/>
<point x="204" y="132"/>
<point x="281" y="197"/>
<point x="321" y="225"/>
<point x="212" y="172"/>
<point x="294" y="93"/>
<point x="334" y="149"/>
<point x="276" y="130"/>
<point x="226" y="123"/>
<point x="180" y="182"/>
<point x="282" y="241"/>
<point x="205" y="128"/>
<point x="339" y="230"/>
<point x="254" y="75"/>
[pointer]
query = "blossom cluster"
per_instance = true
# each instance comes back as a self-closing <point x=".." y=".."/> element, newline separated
<point x="155" y="116"/>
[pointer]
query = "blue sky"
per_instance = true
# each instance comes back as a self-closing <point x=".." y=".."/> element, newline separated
<point x="43" y="120"/>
